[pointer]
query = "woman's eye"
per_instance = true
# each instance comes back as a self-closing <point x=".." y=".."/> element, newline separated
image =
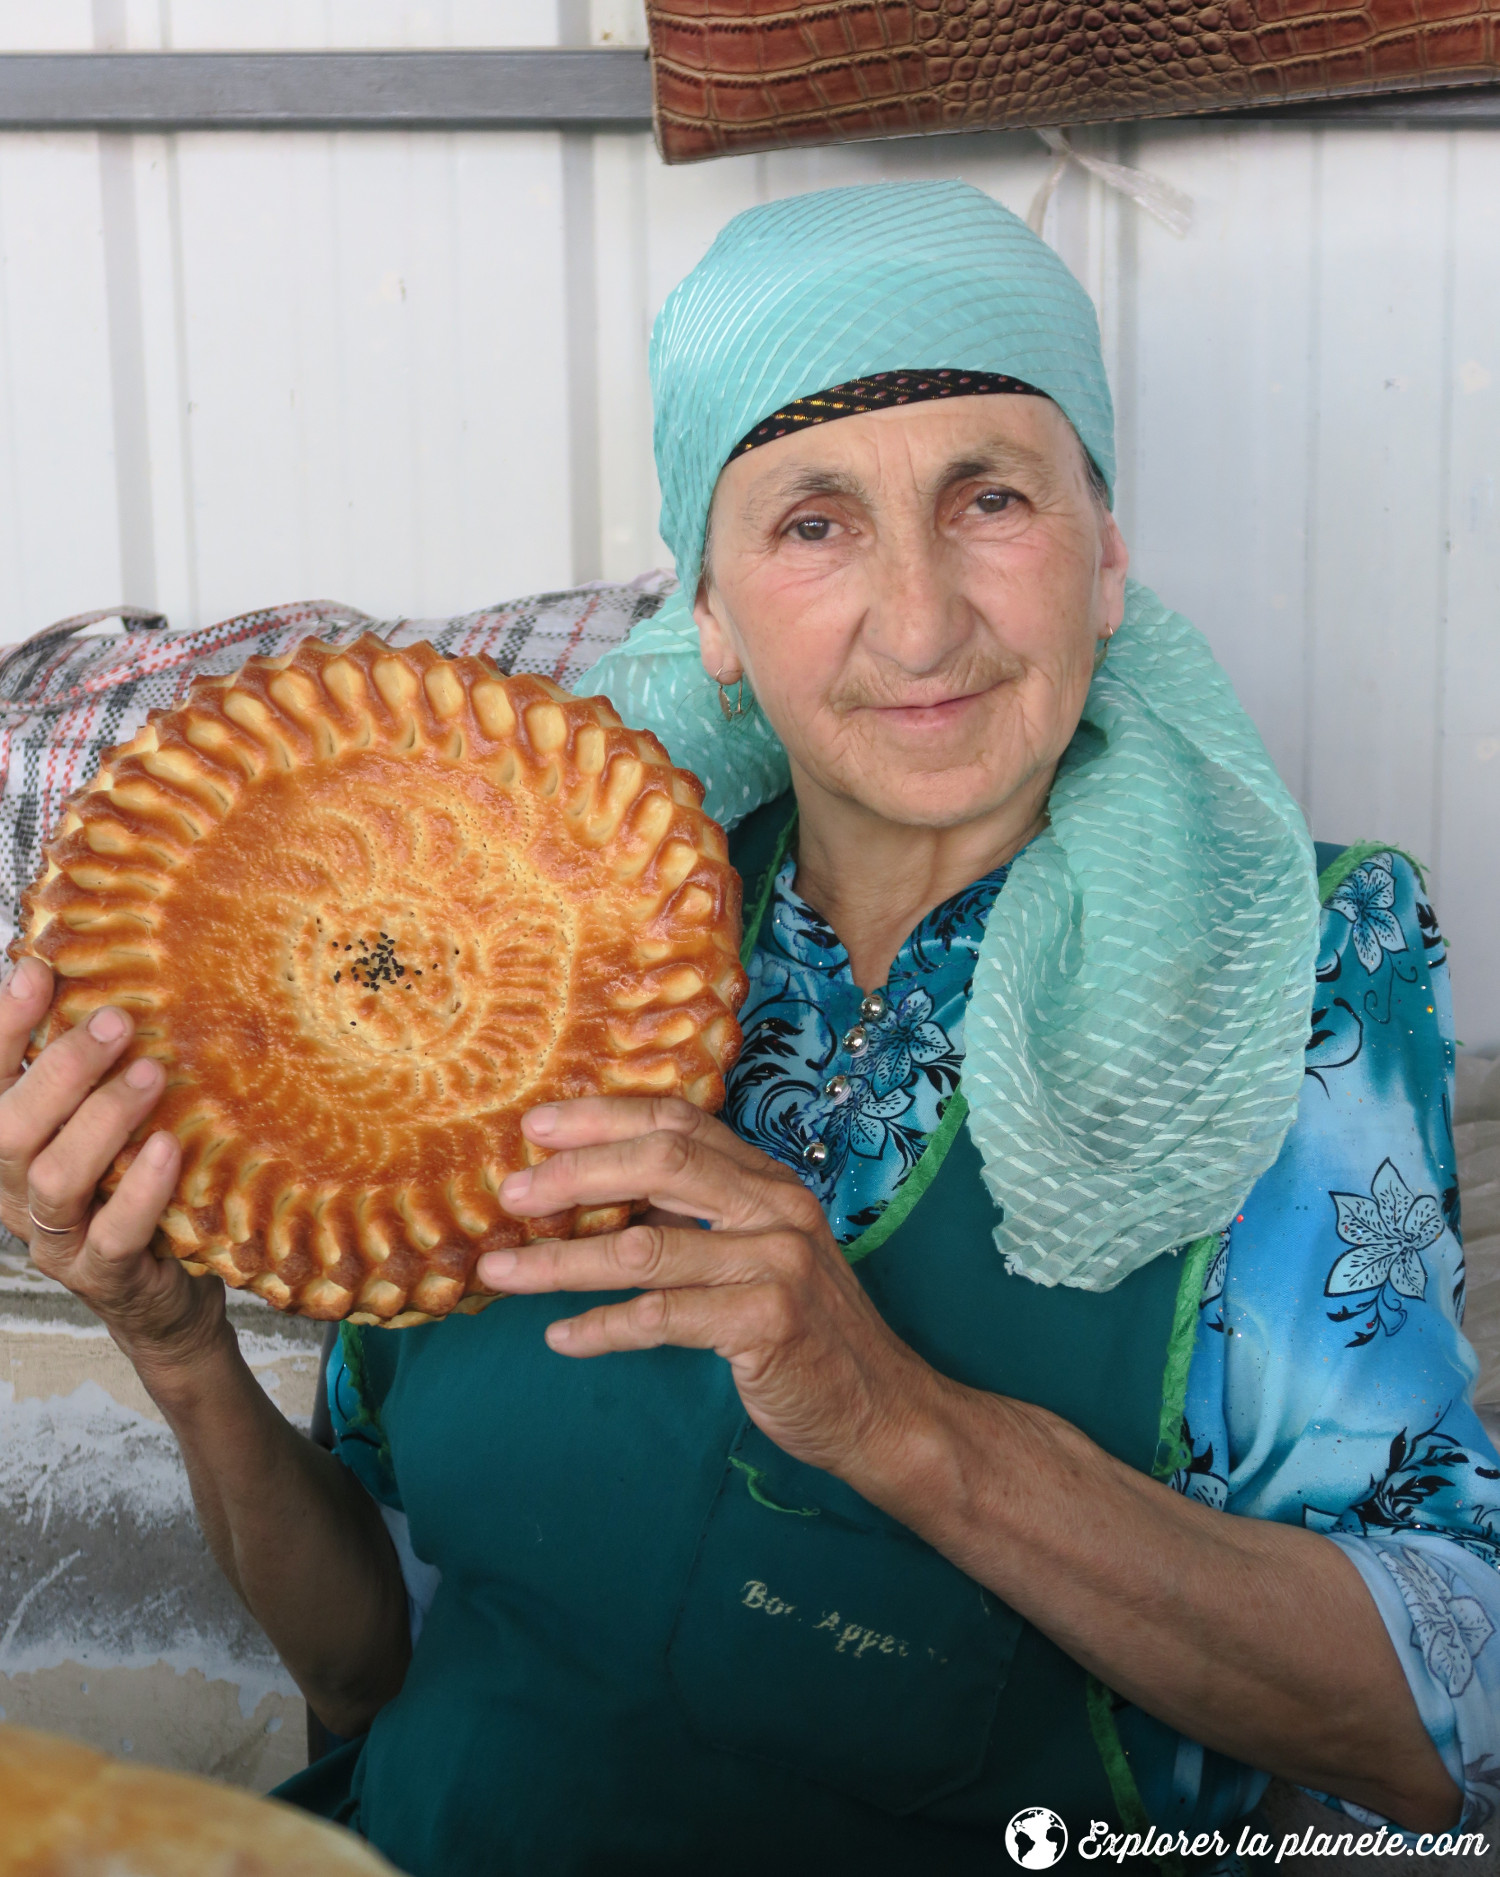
<point x="994" y="501"/>
<point x="812" y="528"/>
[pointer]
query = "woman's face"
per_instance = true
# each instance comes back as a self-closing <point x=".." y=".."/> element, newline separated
<point x="915" y="597"/>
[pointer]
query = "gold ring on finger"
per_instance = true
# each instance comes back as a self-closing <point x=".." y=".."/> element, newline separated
<point x="53" y="1231"/>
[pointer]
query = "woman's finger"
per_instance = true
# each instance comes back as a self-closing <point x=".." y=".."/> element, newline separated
<point x="34" y="1107"/>
<point x="594" y="1119"/>
<point x="642" y="1257"/>
<point x="126" y="1223"/>
<point x="23" y="1004"/>
<point x="153" y="1306"/>
<point x="674" y="1171"/>
<point x="64" y="1174"/>
<point x="727" y="1321"/>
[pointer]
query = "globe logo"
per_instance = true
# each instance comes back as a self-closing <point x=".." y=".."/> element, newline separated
<point x="1036" y="1838"/>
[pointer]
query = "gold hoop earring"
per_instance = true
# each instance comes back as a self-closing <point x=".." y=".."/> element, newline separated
<point x="738" y="707"/>
<point x="1101" y="651"/>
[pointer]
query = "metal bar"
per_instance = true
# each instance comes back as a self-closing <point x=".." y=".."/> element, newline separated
<point x="599" y="89"/>
<point x="1461" y="108"/>
<point x="479" y="90"/>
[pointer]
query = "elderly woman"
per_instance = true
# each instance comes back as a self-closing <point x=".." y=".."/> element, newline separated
<point x="1044" y="1387"/>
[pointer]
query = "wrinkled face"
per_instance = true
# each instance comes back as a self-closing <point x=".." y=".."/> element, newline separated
<point x="915" y="597"/>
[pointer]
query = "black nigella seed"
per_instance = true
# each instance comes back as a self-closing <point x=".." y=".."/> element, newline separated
<point x="337" y="975"/>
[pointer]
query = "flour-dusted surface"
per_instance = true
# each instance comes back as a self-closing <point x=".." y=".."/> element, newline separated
<point x="116" y="1625"/>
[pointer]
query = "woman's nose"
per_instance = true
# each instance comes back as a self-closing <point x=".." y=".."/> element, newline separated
<point x="917" y="615"/>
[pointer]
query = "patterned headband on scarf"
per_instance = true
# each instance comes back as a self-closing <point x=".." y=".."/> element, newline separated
<point x="881" y="391"/>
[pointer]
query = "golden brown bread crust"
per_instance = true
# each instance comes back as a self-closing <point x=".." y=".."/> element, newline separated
<point x="67" y="1811"/>
<point x="367" y="906"/>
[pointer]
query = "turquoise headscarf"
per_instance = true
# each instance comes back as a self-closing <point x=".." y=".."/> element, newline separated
<point x="846" y="283"/>
<point x="1133" y="1049"/>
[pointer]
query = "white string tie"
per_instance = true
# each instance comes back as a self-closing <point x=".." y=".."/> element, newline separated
<point x="1154" y="194"/>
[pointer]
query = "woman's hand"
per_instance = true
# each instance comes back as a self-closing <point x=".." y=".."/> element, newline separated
<point x="62" y="1122"/>
<point x="278" y="1514"/>
<point x="766" y="1286"/>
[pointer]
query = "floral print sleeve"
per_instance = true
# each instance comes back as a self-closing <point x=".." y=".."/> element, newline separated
<point x="1330" y="1381"/>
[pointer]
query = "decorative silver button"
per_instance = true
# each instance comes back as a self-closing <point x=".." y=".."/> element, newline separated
<point x="836" y="1087"/>
<point x="815" y="1153"/>
<point x="855" y="1039"/>
<point x="874" y="1007"/>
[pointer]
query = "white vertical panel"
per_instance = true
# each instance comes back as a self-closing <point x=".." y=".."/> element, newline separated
<point x="1378" y="486"/>
<point x="1221" y="415"/>
<point x="509" y="391"/>
<point x="574" y="27"/>
<point x="157" y="461"/>
<point x="121" y="252"/>
<point x="1468" y="846"/>
<point x="1106" y="225"/>
<point x="377" y="367"/>
<point x="59" y="545"/>
<point x="580" y="284"/>
<point x="629" y="497"/>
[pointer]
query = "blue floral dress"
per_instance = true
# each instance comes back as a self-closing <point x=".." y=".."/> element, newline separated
<point x="1330" y="1379"/>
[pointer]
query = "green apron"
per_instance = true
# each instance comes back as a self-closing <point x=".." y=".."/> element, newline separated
<point x="662" y="1645"/>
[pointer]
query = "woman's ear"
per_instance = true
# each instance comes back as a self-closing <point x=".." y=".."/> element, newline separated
<point x="1114" y="564"/>
<point x="715" y="647"/>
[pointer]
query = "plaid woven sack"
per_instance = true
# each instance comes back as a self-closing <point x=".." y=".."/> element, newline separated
<point x="65" y="700"/>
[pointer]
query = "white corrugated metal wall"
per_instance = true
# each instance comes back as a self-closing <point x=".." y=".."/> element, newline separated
<point x="407" y="370"/>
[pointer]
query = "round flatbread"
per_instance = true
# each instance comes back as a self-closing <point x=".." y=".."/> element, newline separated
<point x="67" y="1811"/>
<point x="367" y="906"/>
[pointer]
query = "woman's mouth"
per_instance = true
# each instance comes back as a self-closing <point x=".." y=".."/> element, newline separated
<point x="941" y="713"/>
